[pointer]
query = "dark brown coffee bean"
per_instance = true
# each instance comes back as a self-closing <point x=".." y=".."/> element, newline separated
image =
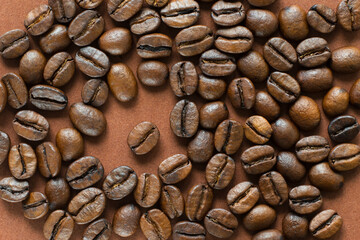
<point x="213" y="113"/>
<point x="57" y="191"/>
<point x="324" y="178"/>
<point x="285" y="133"/>
<point x="290" y="167"/>
<point x="262" y="23"/>
<point x="348" y="14"/>
<point x="283" y="87"/>
<point x="95" y="92"/>
<point x="58" y="226"/>
<point x="146" y="21"/>
<point x="253" y="66"/>
<point x="260" y="217"/>
<point x="180" y="13"/>
<point x="32" y="66"/>
<point x="227" y="14"/>
<point x="184" y="119"/>
<point x="84" y="172"/>
<point x="216" y="64"/>
<point x="92" y="62"/>
<point x="211" y="88"/>
<point x="345" y="157"/>
<point x="188" y="231"/>
<point x="48" y="98"/>
<point x="220" y="171"/>
<point x="100" y="229"/>
<point x="49" y="159"/>
<point x="30" y="125"/>
<point x="116" y="41"/>
<point x="4" y="146"/>
<point x="293" y="23"/>
<point x="183" y="78"/>
<point x="273" y="188"/>
<point x="305" y="113"/>
<point x="154" y="45"/>
<point x="220" y="223"/>
<point x="59" y="69"/>
<point x="56" y="39"/>
<point x="158" y="4"/>
<point x="313" y="52"/>
<point x="12" y="190"/>
<point x="3" y="96"/>
<point x="89" y="4"/>
<point x="271" y="234"/>
<point x="153" y="73"/>
<point x="121" y="11"/>
<point x="257" y="129"/>
<point x="147" y="191"/>
<point x="35" y="206"/>
<point x="336" y="101"/>
<point x="174" y="169"/>
<point x="305" y="199"/>
<point x="172" y="201"/>
<point x="155" y="225"/>
<point x="120" y="182"/>
<point x="355" y="93"/>
<point x="201" y="148"/>
<point x="64" y="10"/>
<point x="234" y="40"/>
<point x="261" y="3"/>
<point x="39" y="20"/>
<point x="315" y="80"/>
<point x="143" y="138"/>
<point x="312" y="149"/>
<point x="14" y="44"/>
<point x="295" y="227"/>
<point x="322" y="18"/>
<point x="346" y="59"/>
<point x="258" y="159"/>
<point x="280" y="54"/>
<point x="325" y="224"/>
<point x="266" y="106"/>
<point x="198" y="202"/>
<point x="126" y="220"/>
<point x="343" y="128"/>
<point x="228" y="137"/>
<point x="70" y="144"/>
<point x="242" y="197"/>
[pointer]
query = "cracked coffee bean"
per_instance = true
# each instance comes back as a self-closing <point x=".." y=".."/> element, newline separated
<point x="184" y="119"/>
<point x="120" y="182"/>
<point x="345" y="157"/>
<point x="183" y="78"/>
<point x="241" y="92"/>
<point x="146" y="21"/>
<point x="313" y="52"/>
<point x="312" y="149"/>
<point x="154" y="224"/>
<point x="126" y="220"/>
<point x="143" y="138"/>
<point x="48" y="98"/>
<point x="217" y="64"/>
<point x="322" y="18"/>
<point x="343" y="128"/>
<point x="64" y="10"/>
<point x="227" y="14"/>
<point x="228" y="137"/>
<point x="30" y="125"/>
<point x="14" y="44"/>
<point x="92" y="62"/>
<point x="220" y="223"/>
<point x="59" y="70"/>
<point x="174" y="169"/>
<point x="172" y="201"/>
<point x="147" y="191"/>
<point x="95" y="92"/>
<point x="12" y="190"/>
<point x="198" y="202"/>
<point x="180" y="13"/>
<point x="121" y="10"/>
<point x="39" y="20"/>
<point x="234" y="40"/>
<point x="185" y="230"/>
<point x="258" y="159"/>
<point x="100" y="229"/>
<point x="280" y="54"/>
<point x="325" y="224"/>
<point x="283" y="87"/>
<point x="305" y="199"/>
<point x="48" y="159"/>
<point x="35" y="206"/>
<point x="348" y="14"/>
<point x="257" y="129"/>
<point x="220" y="171"/>
<point x="154" y="45"/>
<point x="273" y="188"/>
<point x="242" y="197"/>
<point x="58" y="226"/>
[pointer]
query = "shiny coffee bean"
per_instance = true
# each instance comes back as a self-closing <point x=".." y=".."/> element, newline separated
<point x="346" y="59"/>
<point x="143" y="138"/>
<point x="100" y="229"/>
<point x="262" y="23"/>
<point x="260" y="217"/>
<point x="147" y="191"/>
<point x="280" y="54"/>
<point x="58" y="226"/>
<point x="48" y="159"/>
<point x="313" y="52"/>
<point x="315" y="80"/>
<point x="336" y="101"/>
<point x="257" y="129"/>
<point x="273" y="188"/>
<point x="324" y="178"/>
<point x="345" y="157"/>
<point x="188" y="231"/>
<point x="220" y="171"/>
<point x="227" y="14"/>
<point x="174" y="169"/>
<point x="285" y="133"/>
<point x="48" y="98"/>
<point x="183" y="78"/>
<point x="325" y="224"/>
<point x="213" y="113"/>
<point x="242" y="197"/>
<point x="355" y="93"/>
<point x="35" y="206"/>
<point x="56" y="39"/>
<point x="220" y="223"/>
<point x="305" y="199"/>
<point x="59" y="70"/>
<point x="4" y="146"/>
<point x="70" y="144"/>
<point x="198" y="202"/>
<point x="258" y="159"/>
<point x="343" y="128"/>
<point x="201" y="148"/>
<point x="295" y="227"/>
<point x="289" y="166"/>
<point x="172" y="201"/>
<point x="154" y="224"/>
<point x="14" y="44"/>
<point x="283" y="87"/>
<point x="241" y="92"/>
<point x="121" y="11"/>
<point x="12" y="190"/>
<point x="39" y="20"/>
<point x="89" y="4"/>
<point x="228" y="137"/>
<point x="116" y="41"/>
<point x="119" y="183"/>
<point x="234" y="40"/>
<point x="95" y="92"/>
<point x="3" y="96"/>
<point x="348" y="14"/>
<point x="305" y="113"/>
<point x="30" y="125"/>
<point x="31" y="67"/>
<point x="152" y="73"/>
<point x="253" y="66"/>
<point x="322" y="18"/>
<point x="57" y="191"/>
<point x="154" y="45"/>
<point x="158" y="4"/>
<point x="293" y="23"/>
<point x="261" y="3"/>
<point x="146" y="21"/>
<point x="216" y="64"/>
<point x="126" y="220"/>
<point x="92" y="62"/>
<point x="271" y="234"/>
<point x="64" y="10"/>
<point x="312" y="149"/>
<point x="266" y="106"/>
<point x="184" y="119"/>
<point x="180" y="13"/>
<point x="211" y="88"/>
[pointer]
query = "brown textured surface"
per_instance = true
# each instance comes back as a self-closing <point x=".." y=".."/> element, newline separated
<point x="155" y="105"/>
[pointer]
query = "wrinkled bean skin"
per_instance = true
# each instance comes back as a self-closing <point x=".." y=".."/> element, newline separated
<point x="172" y="201"/>
<point x="64" y="10"/>
<point x="348" y="14"/>
<point x="344" y="157"/>
<point x="343" y="128"/>
<point x="198" y="202"/>
<point x="322" y="18"/>
<point x="48" y="98"/>
<point x="227" y="14"/>
<point x="242" y="197"/>
<point x="121" y="11"/>
<point x="100" y="229"/>
<point x="147" y="191"/>
<point x="174" y="169"/>
<point x="58" y="226"/>
<point x="92" y="62"/>
<point x="273" y="188"/>
<point x="280" y="54"/>
<point x="188" y="230"/>
<point x="31" y="125"/>
<point x="49" y="159"/>
<point x="146" y="21"/>
<point x="39" y="20"/>
<point x="183" y="78"/>
<point x="346" y="60"/>
<point x="143" y="138"/>
<point x="258" y="159"/>
<point x="95" y="92"/>
<point x="14" y="44"/>
<point x="257" y="129"/>
<point x="305" y="199"/>
<point x="155" y="225"/>
<point x="184" y="119"/>
<point x="220" y="171"/>
<point x="228" y="137"/>
<point x="180" y="14"/>
<point x="59" y="69"/>
<point x="12" y="190"/>
<point x="220" y="223"/>
<point x="241" y="92"/>
<point x="120" y="182"/>
<point x="325" y="224"/>
<point x="312" y="149"/>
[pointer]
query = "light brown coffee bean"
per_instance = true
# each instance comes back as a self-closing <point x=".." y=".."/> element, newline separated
<point x="31" y="125"/>
<point x="22" y="161"/>
<point x="325" y="224"/>
<point x="220" y="171"/>
<point x="17" y="93"/>
<point x="147" y="191"/>
<point x="59" y="70"/>
<point x="198" y="202"/>
<point x="257" y="129"/>
<point x="253" y="66"/>
<point x="154" y="224"/>
<point x="242" y="197"/>
<point x="126" y="220"/>
<point x="241" y="92"/>
<point x="143" y="138"/>
<point x="213" y="113"/>
<point x="49" y="159"/>
<point x="201" y="148"/>
<point x="70" y="144"/>
<point x="258" y="159"/>
<point x="183" y="78"/>
<point x="228" y="137"/>
<point x="35" y="206"/>
<point x="305" y="113"/>
<point x="39" y="20"/>
<point x="260" y="217"/>
<point x="174" y="169"/>
<point x="172" y="201"/>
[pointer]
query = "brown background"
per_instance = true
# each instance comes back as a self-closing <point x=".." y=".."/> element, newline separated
<point x="155" y="104"/>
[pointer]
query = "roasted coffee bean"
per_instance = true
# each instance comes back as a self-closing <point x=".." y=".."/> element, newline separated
<point x="88" y="120"/>
<point x="32" y="66"/>
<point x="87" y="205"/>
<point x="154" y="45"/>
<point x="220" y="223"/>
<point x="305" y="113"/>
<point x="89" y="4"/>
<point x="290" y="167"/>
<point x="313" y="52"/>
<point x="285" y="133"/>
<point x="346" y="59"/>
<point x="345" y="157"/>
<point x="258" y="159"/>
<point x="184" y="119"/>
<point x="95" y="92"/>
<point x="324" y="178"/>
<point x="257" y="129"/>
<point x="122" y="82"/>
<point x="280" y="54"/>
<point x="35" y="206"/>
<point x="234" y="40"/>
<point x="48" y="159"/>
<point x="30" y="125"/>
<point x="315" y="80"/>
<point x="3" y="96"/>
<point x="228" y="137"/>
<point x="143" y="138"/>
<point x="293" y="23"/>
<point x="39" y="20"/>
<point x="343" y="128"/>
<point x="227" y="13"/>
<point x="295" y="227"/>
<point x="211" y="88"/>
<point x="100" y="229"/>
<point x="188" y="231"/>
<point x="56" y="39"/>
<point x="116" y="41"/>
<point x="180" y="13"/>
<point x="262" y="23"/>
<point x="201" y="148"/>
<point x="126" y="220"/>
<point x="216" y="64"/>
<point x="4" y="146"/>
<point x="305" y="199"/>
<point x="147" y="191"/>
<point x="57" y="191"/>
<point x="273" y="188"/>
<point x="325" y="224"/>
<point x="242" y="197"/>
<point x="266" y="106"/>
<point x="48" y="98"/>
<point x="253" y="66"/>
<point x="355" y="93"/>
<point x="283" y="87"/>
<point x="120" y="182"/>
<point x="213" y="113"/>
<point x="59" y="69"/>
<point x="271" y="234"/>
<point x="322" y="18"/>
<point x="155" y="225"/>
<point x="14" y="44"/>
<point x="58" y="226"/>
<point x="198" y="202"/>
<point x="348" y="14"/>
<point x="336" y="101"/>
<point x="121" y="10"/>
<point x="183" y="78"/>
<point x="174" y="169"/>
<point x="70" y="144"/>
<point x="260" y="217"/>
<point x="64" y="10"/>
<point x="241" y="92"/>
<point x="146" y="21"/>
<point x="312" y="149"/>
<point x="172" y="201"/>
<point x="12" y="190"/>
<point x="158" y="4"/>
<point x="220" y="171"/>
<point x="92" y="62"/>
<point x="261" y="3"/>
<point x="84" y="172"/>
<point x="152" y="73"/>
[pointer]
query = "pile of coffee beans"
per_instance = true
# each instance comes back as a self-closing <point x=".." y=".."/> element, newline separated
<point x="283" y="145"/>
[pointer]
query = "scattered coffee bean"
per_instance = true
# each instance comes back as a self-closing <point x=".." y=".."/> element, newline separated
<point x="234" y="40"/>
<point x="174" y="169"/>
<point x="147" y="191"/>
<point x="64" y="10"/>
<point x="95" y="92"/>
<point x="100" y="229"/>
<point x="70" y="144"/>
<point x="258" y="159"/>
<point x="198" y="202"/>
<point x="322" y="18"/>
<point x="259" y="218"/>
<point x="155" y="225"/>
<point x="220" y="223"/>
<point x="285" y="133"/>
<point x="154" y="45"/>
<point x="325" y="224"/>
<point x="266" y="106"/>
<point x="336" y="101"/>
<point x="273" y="188"/>
<point x="312" y="149"/>
<point x="32" y="66"/>
<point x="172" y="201"/>
<point x="58" y="226"/>
<point x="122" y="82"/>
<point x="242" y="197"/>
<point x="217" y="64"/>
<point x="188" y="231"/>
<point x="14" y="44"/>
<point x="146" y="21"/>
<point x="213" y="113"/>
<point x="35" y="206"/>
<point x="120" y="182"/>
<point x="305" y="199"/>
<point x="257" y="129"/>
<point x="59" y="70"/>
<point x="184" y="119"/>
<point x="228" y="137"/>
<point x="324" y="178"/>
<point x="305" y="113"/>
<point x="92" y="62"/>
<point x="313" y="52"/>
<point x="201" y="148"/>
<point x="261" y="3"/>
<point x="346" y="59"/>
<point x="152" y="73"/>
<point x="121" y="11"/>
<point x="348" y="14"/>
<point x="183" y="78"/>
<point x="116" y="41"/>
<point x="343" y="128"/>
<point x="355" y="93"/>
<point x="283" y="87"/>
<point x="158" y="4"/>
<point x="253" y="66"/>
<point x="211" y="88"/>
<point x="263" y="23"/>
<point x="294" y="226"/>
<point x="194" y="40"/>
<point x="143" y="138"/>
<point x="57" y="192"/>
<point x="272" y="234"/>
<point x="315" y="80"/>
<point x="56" y="39"/>
<point x="126" y="220"/>
<point x="12" y="190"/>
<point x="227" y="14"/>
<point x="39" y="20"/>
<point x="48" y="98"/>
<point x="5" y="146"/>
<point x="220" y="171"/>
<point x="290" y="167"/>
<point x="89" y="4"/>
<point x="180" y="13"/>
<point x="345" y="157"/>
<point x="280" y="54"/>
<point x="30" y="125"/>
<point x="48" y="159"/>
<point x="241" y="92"/>
<point x="293" y="23"/>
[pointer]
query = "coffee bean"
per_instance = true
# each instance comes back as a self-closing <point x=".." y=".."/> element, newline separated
<point x="323" y="177"/>
<point x="262" y="23"/>
<point x="343" y="128"/>
<point x="121" y="11"/>
<point x="35" y="206"/>
<point x="3" y="96"/>
<point x="258" y="159"/>
<point x="348" y="14"/>
<point x="312" y="149"/>
<point x="158" y="4"/>
<point x="153" y="73"/>
<point x="57" y="192"/>
<point x="220" y="223"/>
<point x="31" y="67"/>
<point x="58" y="226"/>
<point x="64" y="10"/>
<point x="180" y="13"/>
<point x="30" y="125"/>
<point x="315" y="80"/>
<point x="48" y="98"/>
<point x="242" y="197"/>
<point x="39" y="20"/>
<point x="228" y="137"/>
<point x="259" y="218"/>
<point x="92" y="62"/>
<point x="120" y="182"/>
<point x="283" y="87"/>
<point x="346" y="59"/>
<point x="116" y="41"/>
<point x="188" y="231"/>
<point x="126" y="220"/>
<point x="336" y="101"/>
<point x="234" y="40"/>
<point x="174" y="169"/>
<point x="22" y="161"/>
<point x="271" y="234"/>
<point x="14" y="44"/>
<point x="345" y="157"/>
<point x="183" y="78"/>
<point x="49" y="159"/>
<point x="285" y="133"/>
<point x="155" y="225"/>
<point x="261" y="3"/>
<point x="89" y="4"/>
<point x="293" y="23"/>
<point x="212" y="113"/>
<point x="266" y="106"/>
<point x="211" y="88"/>
<point x="201" y="148"/>
<point x="143" y="138"/>
<point x="280" y="54"/>
<point x="355" y="93"/>
<point x="290" y="167"/>
<point x="84" y="172"/>
<point x="305" y="199"/>
<point x="172" y="201"/>
<point x="273" y="188"/>
<point x="59" y="69"/>
<point x="257" y="129"/>
<point x="70" y="144"/>
<point x="154" y="45"/>
<point x="322" y="18"/>
<point x="216" y="64"/>
<point x="184" y="119"/>
<point x="325" y="224"/>
<point x="227" y="14"/>
<point x="313" y="52"/>
<point x="95" y="92"/>
<point x="146" y="21"/>
<point x="147" y="191"/>
<point x="4" y="146"/>
<point x="295" y="227"/>
<point x="100" y="229"/>
<point x="198" y="202"/>
<point x="220" y="171"/>
<point x="253" y="66"/>
<point x="12" y="190"/>
<point x="56" y="39"/>
<point x="305" y="113"/>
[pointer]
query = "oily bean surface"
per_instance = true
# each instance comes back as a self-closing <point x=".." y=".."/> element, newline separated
<point x="211" y="88"/>
<point x="48" y="159"/>
<point x="152" y="73"/>
<point x="35" y="206"/>
<point x="263" y="23"/>
<point x="64" y="10"/>
<point x="324" y="178"/>
<point x="56" y="39"/>
<point x="220" y="223"/>
<point x="344" y="157"/>
<point x="13" y="190"/>
<point x="70" y="144"/>
<point x="322" y="18"/>
<point x="57" y="191"/>
<point x="257" y="129"/>
<point x="116" y="41"/>
<point x="258" y="159"/>
<point x="294" y="226"/>
<point x="325" y="224"/>
<point x="147" y="191"/>
<point x="184" y="119"/>
<point x="343" y="128"/>
<point x="290" y="167"/>
<point x="120" y="182"/>
<point x="198" y="202"/>
<point x="59" y="69"/>
<point x="285" y="133"/>
<point x="174" y="169"/>
<point x="305" y="199"/>
<point x="100" y="229"/>
<point x="346" y="59"/>
<point x="172" y="201"/>
<point x="31" y="125"/>
<point x="39" y="20"/>
<point x="48" y="98"/>
<point x="143" y="138"/>
<point x="14" y="44"/>
<point x="305" y="113"/>
<point x="234" y="40"/>
<point x="280" y="54"/>
<point x="336" y="101"/>
<point x="201" y="147"/>
<point x="126" y="220"/>
<point x="146" y="21"/>
<point x="293" y="23"/>
<point x="58" y="226"/>
<point x="242" y="197"/>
